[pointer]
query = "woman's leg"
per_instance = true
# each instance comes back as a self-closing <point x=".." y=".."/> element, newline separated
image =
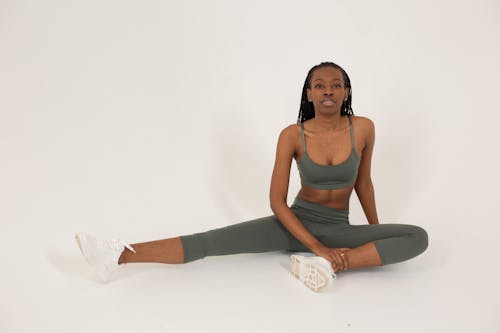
<point x="166" y="251"/>
<point x="370" y="245"/>
<point x="365" y="255"/>
<point x="255" y="236"/>
<point x="378" y="244"/>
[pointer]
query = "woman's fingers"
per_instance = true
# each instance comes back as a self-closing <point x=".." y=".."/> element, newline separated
<point x="332" y="261"/>
<point x="339" y="259"/>
<point x="345" y="262"/>
<point x="343" y="255"/>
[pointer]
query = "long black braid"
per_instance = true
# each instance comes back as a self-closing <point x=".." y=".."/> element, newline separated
<point x="306" y="110"/>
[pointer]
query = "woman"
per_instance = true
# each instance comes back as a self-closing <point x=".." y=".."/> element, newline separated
<point x="333" y="151"/>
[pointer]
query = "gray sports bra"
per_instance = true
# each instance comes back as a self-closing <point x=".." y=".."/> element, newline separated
<point x="328" y="177"/>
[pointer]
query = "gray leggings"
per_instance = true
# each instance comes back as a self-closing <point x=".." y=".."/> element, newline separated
<point x="394" y="242"/>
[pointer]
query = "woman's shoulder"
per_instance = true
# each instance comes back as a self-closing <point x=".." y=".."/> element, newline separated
<point x="290" y="134"/>
<point x="292" y="130"/>
<point x="363" y="123"/>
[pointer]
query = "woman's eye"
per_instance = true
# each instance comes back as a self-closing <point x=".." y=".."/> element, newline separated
<point x="318" y="85"/>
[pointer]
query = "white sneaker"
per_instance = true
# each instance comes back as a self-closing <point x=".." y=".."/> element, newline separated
<point x="315" y="272"/>
<point x="102" y="255"/>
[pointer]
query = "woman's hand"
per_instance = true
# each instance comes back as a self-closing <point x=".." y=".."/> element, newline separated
<point x="336" y="256"/>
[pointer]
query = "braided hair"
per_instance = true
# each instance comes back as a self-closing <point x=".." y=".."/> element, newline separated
<point x="306" y="110"/>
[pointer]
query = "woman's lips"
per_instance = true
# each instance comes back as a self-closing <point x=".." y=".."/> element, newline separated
<point x="327" y="102"/>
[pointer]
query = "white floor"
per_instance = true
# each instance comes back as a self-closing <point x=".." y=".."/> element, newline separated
<point x="54" y="291"/>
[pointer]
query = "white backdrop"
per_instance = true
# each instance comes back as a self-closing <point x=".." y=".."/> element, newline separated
<point x="152" y="119"/>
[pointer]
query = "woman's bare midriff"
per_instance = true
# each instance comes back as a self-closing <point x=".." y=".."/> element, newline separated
<point x="338" y="199"/>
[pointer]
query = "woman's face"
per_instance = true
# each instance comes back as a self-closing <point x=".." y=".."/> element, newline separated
<point x="327" y="92"/>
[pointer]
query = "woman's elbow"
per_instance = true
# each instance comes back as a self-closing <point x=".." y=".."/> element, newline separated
<point x="277" y="203"/>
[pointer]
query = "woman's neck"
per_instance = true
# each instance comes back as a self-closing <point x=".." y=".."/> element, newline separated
<point x="328" y="123"/>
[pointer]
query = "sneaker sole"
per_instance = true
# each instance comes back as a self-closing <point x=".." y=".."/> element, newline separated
<point x="306" y="271"/>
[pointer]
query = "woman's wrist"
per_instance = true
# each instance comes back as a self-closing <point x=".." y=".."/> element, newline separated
<point x="318" y="248"/>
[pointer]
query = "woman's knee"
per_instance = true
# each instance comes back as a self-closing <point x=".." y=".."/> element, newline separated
<point x="420" y="238"/>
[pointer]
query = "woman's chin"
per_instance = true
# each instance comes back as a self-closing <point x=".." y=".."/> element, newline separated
<point x="327" y="111"/>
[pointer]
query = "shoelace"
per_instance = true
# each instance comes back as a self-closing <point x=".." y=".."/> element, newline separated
<point x="115" y="244"/>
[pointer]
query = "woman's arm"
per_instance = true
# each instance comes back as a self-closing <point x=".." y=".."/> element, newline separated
<point x="279" y="189"/>
<point x="364" y="186"/>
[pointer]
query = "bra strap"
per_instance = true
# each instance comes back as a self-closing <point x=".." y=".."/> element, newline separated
<point x="352" y="132"/>
<point x="303" y="137"/>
